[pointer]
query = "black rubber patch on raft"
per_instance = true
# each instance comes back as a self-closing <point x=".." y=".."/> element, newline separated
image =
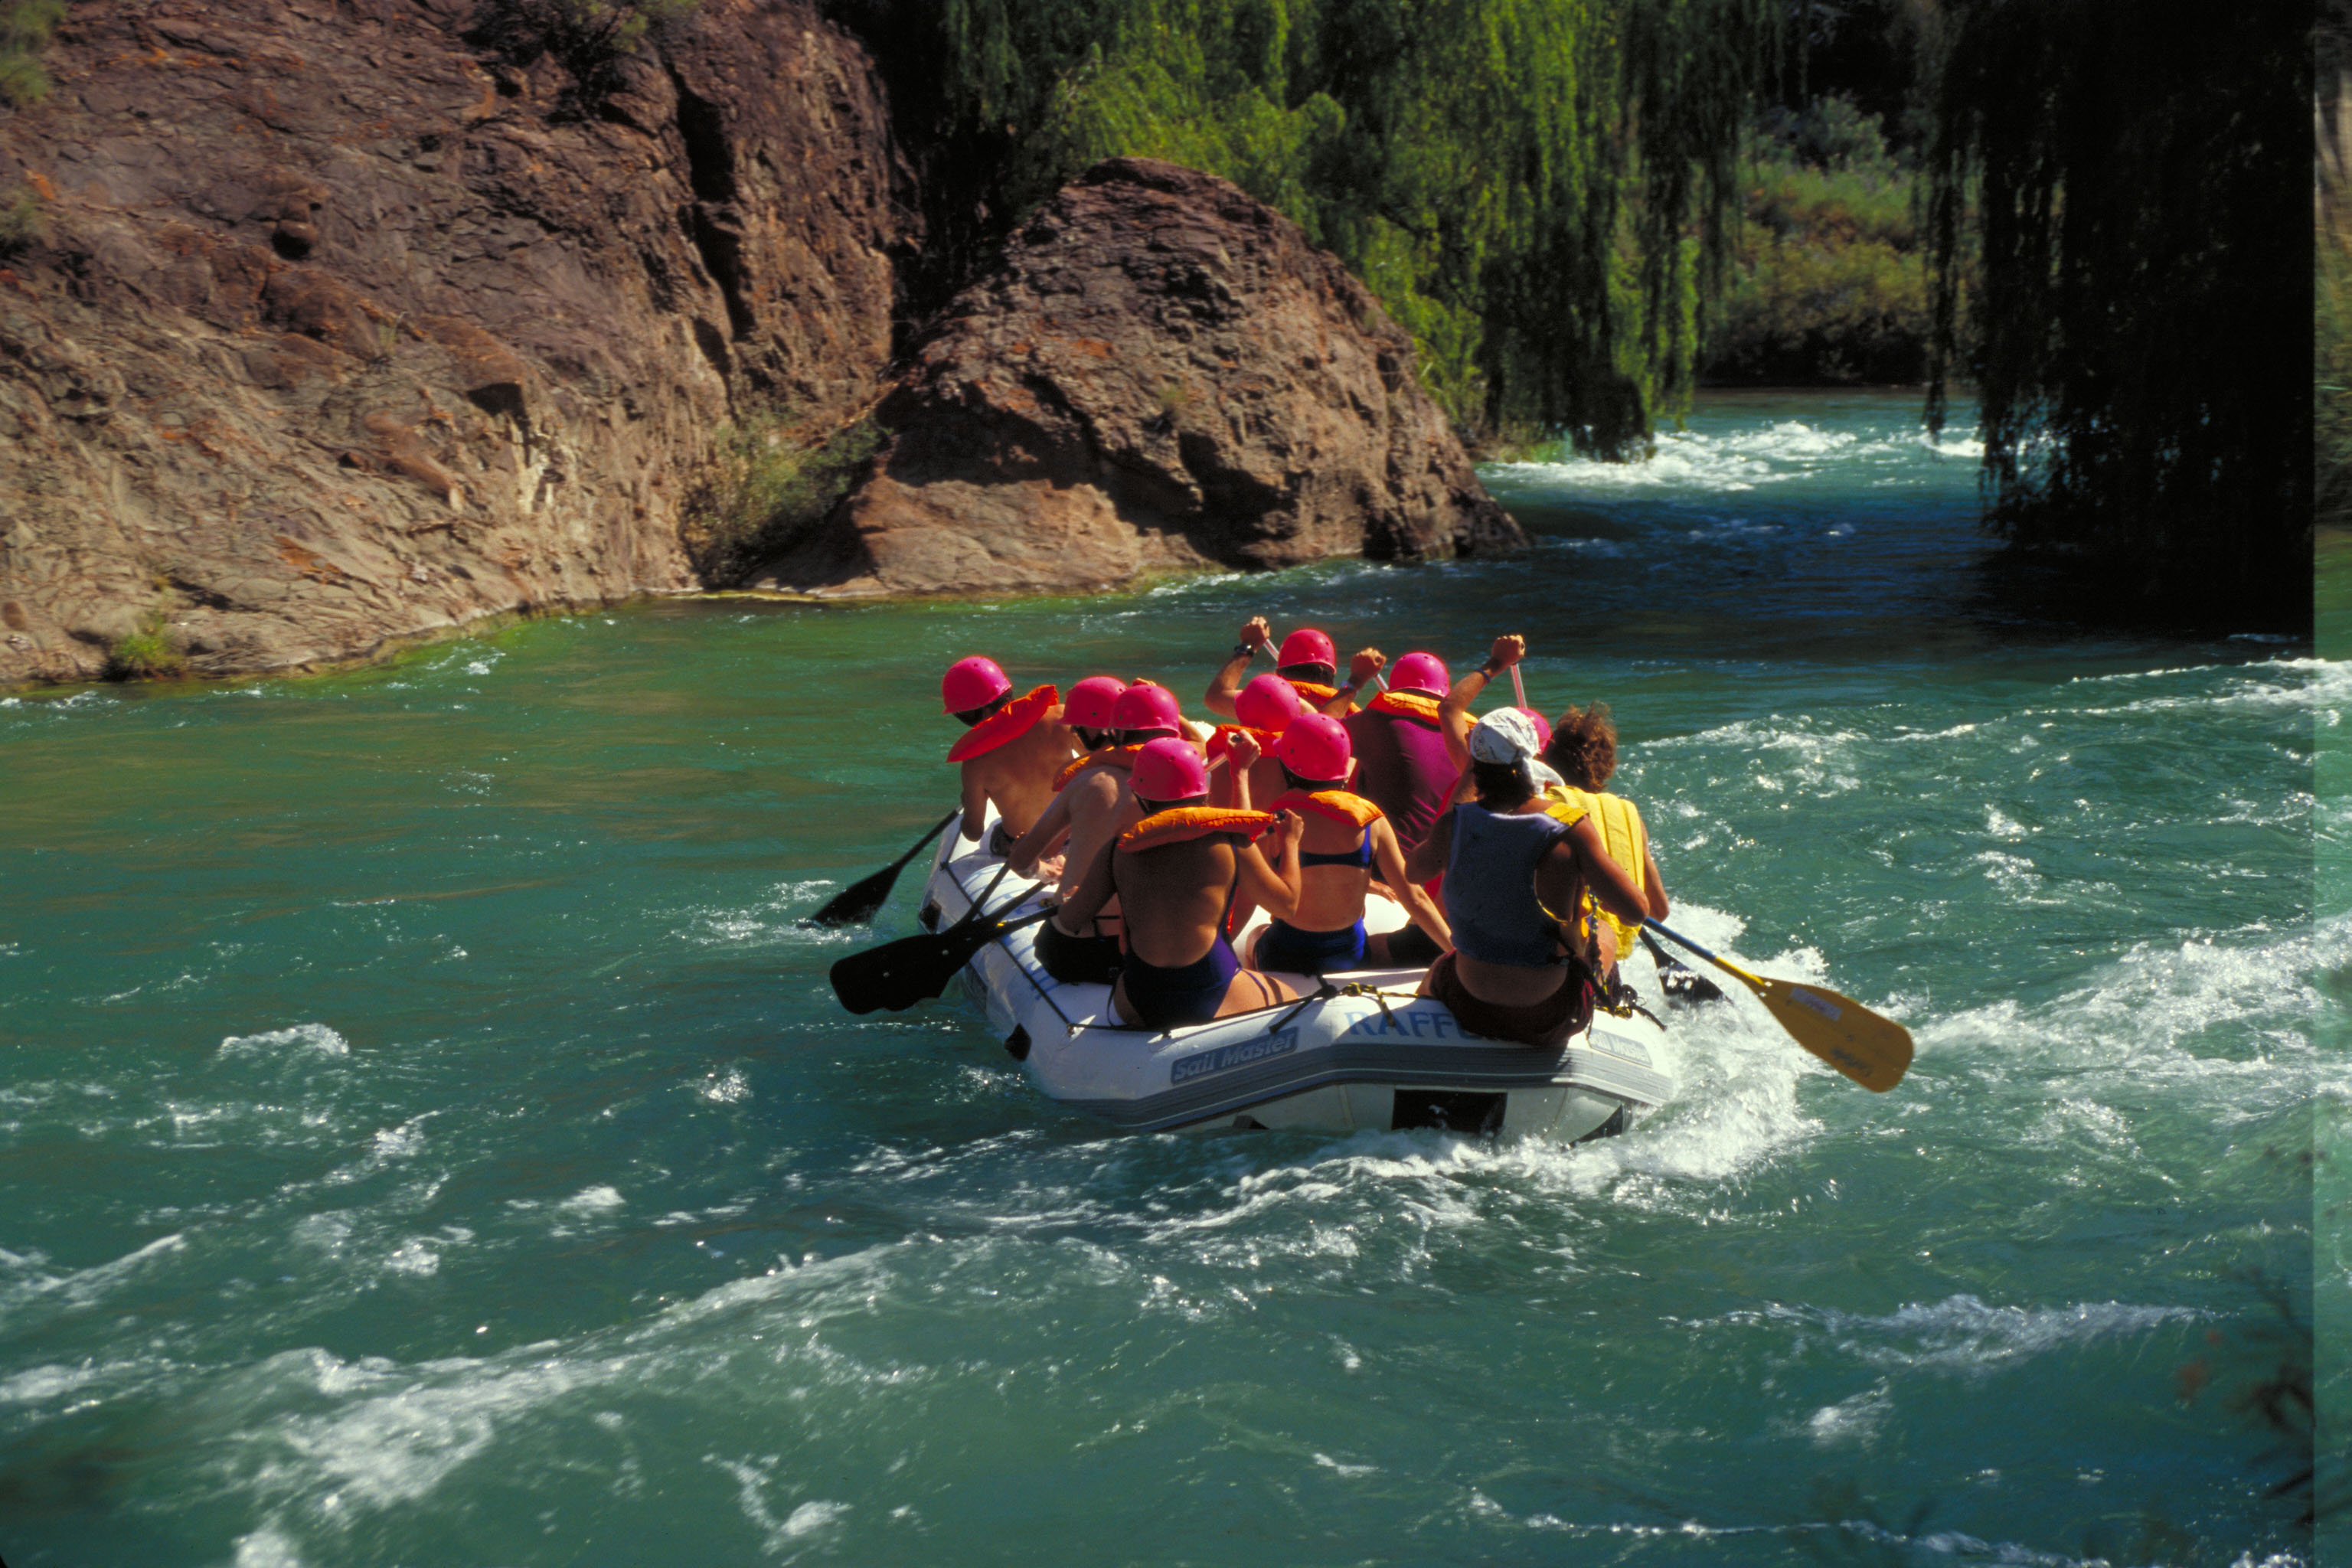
<point x="1448" y="1110"/>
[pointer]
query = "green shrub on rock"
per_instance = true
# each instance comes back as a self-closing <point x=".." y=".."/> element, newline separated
<point x="768" y="485"/>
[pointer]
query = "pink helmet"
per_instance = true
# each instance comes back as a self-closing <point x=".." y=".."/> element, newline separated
<point x="1307" y="645"/>
<point x="1268" y="702"/>
<point x="1168" y="768"/>
<point x="1315" y="746"/>
<point x="973" y="682"/>
<point x="1144" y="706"/>
<point x="1089" y="703"/>
<point x="1542" y="724"/>
<point x="1420" y="672"/>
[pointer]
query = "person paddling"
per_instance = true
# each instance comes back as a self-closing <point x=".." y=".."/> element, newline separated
<point x="1309" y="661"/>
<point x="1514" y="974"/>
<point x="1583" y="748"/>
<point x="1345" y="836"/>
<point x="1092" y="805"/>
<point x="1176" y="874"/>
<point x="1265" y="706"/>
<point x="1015" y="749"/>
<point x="1401" y="751"/>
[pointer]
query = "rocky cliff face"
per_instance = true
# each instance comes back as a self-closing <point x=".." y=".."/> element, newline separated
<point x="340" y="329"/>
<point x="1160" y="372"/>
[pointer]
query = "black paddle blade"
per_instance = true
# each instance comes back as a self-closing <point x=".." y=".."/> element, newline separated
<point x="1679" y="980"/>
<point x="898" y="974"/>
<point x="856" y="904"/>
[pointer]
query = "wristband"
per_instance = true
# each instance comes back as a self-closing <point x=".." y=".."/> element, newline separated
<point x="1245" y="650"/>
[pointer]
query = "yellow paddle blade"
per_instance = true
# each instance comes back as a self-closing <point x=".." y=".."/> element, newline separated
<point x="1873" y="1051"/>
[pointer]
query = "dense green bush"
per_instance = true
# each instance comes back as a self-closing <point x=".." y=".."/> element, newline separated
<point x="768" y="485"/>
<point x="25" y="29"/>
<point x="1829" y="281"/>
<point x="149" y="653"/>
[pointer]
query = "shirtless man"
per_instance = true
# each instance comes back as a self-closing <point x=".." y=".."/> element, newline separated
<point x="1309" y="661"/>
<point x="1176" y="873"/>
<point x="1015" y="748"/>
<point x="1092" y="806"/>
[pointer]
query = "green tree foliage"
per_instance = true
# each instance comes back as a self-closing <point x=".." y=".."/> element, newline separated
<point x="25" y="29"/>
<point x="1536" y="189"/>
<point x="1829" y="281"/>
<point x="2138" y="182"/>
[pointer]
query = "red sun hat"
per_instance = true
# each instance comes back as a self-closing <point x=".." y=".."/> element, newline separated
<point x="973" y="682"/>
<point x="1144" y="706"/>
<point x="1420" y="672"/>
<point x="1307" y="645"/>
<point x="1315" y="747"/>
<point x="1168" y="770"/>
<point x="1268" y="702"/>
<point x="1090" y="702"/>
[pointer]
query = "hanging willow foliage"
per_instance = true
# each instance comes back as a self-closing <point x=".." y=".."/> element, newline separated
<point x="1534" y="188"/>
<point x="2140" y="182"/>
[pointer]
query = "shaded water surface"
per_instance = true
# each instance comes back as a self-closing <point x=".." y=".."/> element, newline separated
<point x="425" y="1134"/>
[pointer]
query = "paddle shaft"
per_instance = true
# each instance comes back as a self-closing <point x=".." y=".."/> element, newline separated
<point x="1873" y="1051"/>
<point x="1518" y="687"/>
<point x="861" y="898"/>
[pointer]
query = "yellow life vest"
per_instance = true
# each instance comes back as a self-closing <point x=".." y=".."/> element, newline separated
<point x="1622" y="834"/>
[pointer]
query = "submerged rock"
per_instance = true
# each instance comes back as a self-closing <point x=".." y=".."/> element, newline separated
<point x="1161" y="372"/>
<point x="336" y="326"/>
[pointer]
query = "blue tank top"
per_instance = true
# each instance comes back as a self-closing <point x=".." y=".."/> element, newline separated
<point x="1490" y="886"/>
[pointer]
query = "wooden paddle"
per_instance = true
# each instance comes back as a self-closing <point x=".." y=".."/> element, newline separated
<point x="898" y="974"/>
<point x="857" y="903"/>
<point x="1872" y="1050"/>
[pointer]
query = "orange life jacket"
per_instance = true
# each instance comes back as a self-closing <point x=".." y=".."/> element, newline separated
<point x="1317" y="693"/>
<point x="1222" y="742"/>
<point x="1337" y="805"/>
<point x="1120" y="757"/>
<point x="1004" y="726"/>
<point x="1417" y="705"/>
<point x="1181" y="823"/>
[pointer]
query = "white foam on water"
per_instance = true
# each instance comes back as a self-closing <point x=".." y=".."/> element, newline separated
<point x="34" y="1288"/>
<point x="752" y="1480"/>
<point x="2227" y="1017"/>
<point x="267" y="1547"/>
<point x="1964" y="1334"/>
<point x="725" y="1088"/>
<point x="1743" y="460"/>
<point x="313" y="1037"/>
<point x="1851" y="1422"/>
<point x="593" y="1200"/>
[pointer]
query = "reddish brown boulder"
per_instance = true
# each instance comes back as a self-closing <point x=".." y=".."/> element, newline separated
<point x="1161" y="372"/>
<point x="341" y="327"/>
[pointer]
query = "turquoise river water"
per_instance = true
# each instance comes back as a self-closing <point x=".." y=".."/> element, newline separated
<point x="426" y="1135"/>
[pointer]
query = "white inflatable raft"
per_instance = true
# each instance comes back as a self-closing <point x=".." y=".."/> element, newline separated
<point x="1375" y="1057"/>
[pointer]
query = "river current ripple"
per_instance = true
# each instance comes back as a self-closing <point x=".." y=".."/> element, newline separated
<point x="426" y="1135"/>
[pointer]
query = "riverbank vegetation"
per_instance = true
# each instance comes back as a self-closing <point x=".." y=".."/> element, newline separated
<point x="768" y="484"/>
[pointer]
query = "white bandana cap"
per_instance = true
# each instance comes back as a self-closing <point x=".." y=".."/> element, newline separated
<point x="1509" y="736"/>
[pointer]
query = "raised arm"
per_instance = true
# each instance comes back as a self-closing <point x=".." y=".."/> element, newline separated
<point x="1043" y="837"/>
<point x="1655" y="885"/>
<point x="1367" y="663"/>
<point x="1453" y="711"/>
<point x="1227" y="682"/>
<point x="1418" y="905"/>
<point x="1241" y="755"/>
